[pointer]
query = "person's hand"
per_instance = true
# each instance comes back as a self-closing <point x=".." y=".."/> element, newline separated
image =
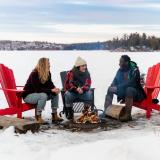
<point x="56" y="90"/>
<point x="79" y="90"/>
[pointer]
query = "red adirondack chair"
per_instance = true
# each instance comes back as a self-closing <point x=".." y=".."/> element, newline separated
<point x="152" y="89"/>
<point x="12" y="94"/>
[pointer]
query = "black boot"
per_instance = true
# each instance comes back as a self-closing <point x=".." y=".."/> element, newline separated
<point x="70" y="115"/>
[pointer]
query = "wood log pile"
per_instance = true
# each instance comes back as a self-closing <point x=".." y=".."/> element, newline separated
<point x="88" y="116"/>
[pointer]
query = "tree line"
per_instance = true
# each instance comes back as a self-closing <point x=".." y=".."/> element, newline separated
<point x="135" y="40"/>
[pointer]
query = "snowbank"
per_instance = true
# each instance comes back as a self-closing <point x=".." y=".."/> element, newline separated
<point x="137" y="148"/>
<point x="119" y="145"/>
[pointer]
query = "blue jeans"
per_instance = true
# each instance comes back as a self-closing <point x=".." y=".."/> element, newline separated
<point x="86" y="97"/>
<point x="40" y="100"/>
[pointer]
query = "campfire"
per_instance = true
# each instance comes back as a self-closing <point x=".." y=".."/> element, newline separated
<point x="88" y="116"/>
<point x="88" y="121"/>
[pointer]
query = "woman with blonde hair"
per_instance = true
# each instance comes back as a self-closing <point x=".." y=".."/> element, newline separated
<point x="39" y="88"/>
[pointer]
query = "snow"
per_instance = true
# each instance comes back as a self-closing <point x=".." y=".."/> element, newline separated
<point x="127" y="143"/>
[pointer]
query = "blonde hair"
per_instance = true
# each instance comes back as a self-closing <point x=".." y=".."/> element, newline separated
<point x="43" y="69"/>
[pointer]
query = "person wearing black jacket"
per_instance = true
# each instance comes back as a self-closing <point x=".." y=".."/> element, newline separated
<point x="126" y="85"/>
<point x="39" y="88"/>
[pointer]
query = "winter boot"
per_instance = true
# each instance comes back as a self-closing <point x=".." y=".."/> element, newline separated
<point x="128" y="108"/>
<point x="56" y="118"/>
<point x="69" y="111"/>
<point x="39" y="119"/>
<point x="70" y="115"/>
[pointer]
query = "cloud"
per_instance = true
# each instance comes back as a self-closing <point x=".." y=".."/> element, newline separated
<point x="77" y="20"/>
<point x="126" y="4"/>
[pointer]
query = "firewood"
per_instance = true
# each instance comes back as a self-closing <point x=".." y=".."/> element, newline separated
<point x="115" y="111"/>
<point x="20" y="125"/>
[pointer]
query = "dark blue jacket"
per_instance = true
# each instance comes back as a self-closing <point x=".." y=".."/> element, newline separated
<point x="129" y="77"/>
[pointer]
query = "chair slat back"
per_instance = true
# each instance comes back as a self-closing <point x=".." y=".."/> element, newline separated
<point x="63" y="76"/>
<point x="153" y="79"/>
<point x="8" y="82"/>
<point x="157" y="82"/>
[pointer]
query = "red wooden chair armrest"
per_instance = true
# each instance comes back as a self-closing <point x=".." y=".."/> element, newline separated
<point x="152" y="87"/>
<point x="18" y="92"/>
<point x="11" y="90"/>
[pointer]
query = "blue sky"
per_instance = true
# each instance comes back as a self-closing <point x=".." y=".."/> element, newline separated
<point x="70" y="21"/>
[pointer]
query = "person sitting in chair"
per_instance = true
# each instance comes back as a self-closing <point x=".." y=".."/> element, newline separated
<point x="39" y="88"/>
<point x="77" y="86"/>
<point x="126" y="85"/>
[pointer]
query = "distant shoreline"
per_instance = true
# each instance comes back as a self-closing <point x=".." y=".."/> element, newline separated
<point x="108" y="51"/>
<point x="45" y="46"/>
<point x="133" y="42"/>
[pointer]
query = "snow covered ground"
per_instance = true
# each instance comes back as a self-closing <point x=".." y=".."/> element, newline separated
<point x="128" y="143"/>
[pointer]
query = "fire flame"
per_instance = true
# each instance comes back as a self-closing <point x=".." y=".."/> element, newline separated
<point x="88" y="116"/>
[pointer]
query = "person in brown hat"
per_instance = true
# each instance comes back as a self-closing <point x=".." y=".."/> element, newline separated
<point x="77" y="86"/>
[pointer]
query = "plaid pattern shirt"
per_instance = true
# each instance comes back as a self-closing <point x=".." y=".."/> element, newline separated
<point x="70" y="85"/>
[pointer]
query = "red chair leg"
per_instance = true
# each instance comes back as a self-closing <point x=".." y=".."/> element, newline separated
<point x="19" y="109"/>
<point x="149" y="102"/>
<point x="148" y="113"/>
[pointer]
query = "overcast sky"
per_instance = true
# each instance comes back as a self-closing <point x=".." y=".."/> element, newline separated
<point x="68" y="21"/>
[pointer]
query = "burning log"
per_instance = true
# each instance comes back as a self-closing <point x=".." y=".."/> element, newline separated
<point x="88" y="116"/>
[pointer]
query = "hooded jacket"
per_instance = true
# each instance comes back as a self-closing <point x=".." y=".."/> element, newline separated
<point x="129" y="77"/>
